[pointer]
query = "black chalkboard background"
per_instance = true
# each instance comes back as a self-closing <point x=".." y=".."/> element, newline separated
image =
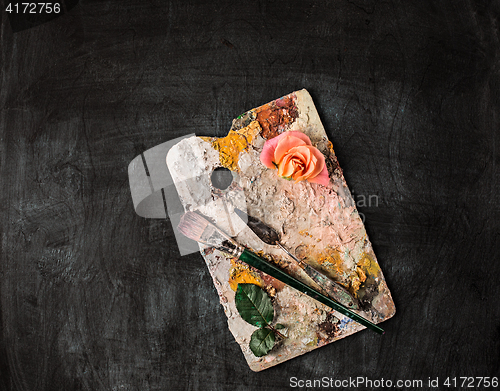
<point x="94" y="297"/>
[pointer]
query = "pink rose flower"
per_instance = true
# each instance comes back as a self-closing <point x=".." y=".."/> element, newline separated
<point x="295" y="158"/>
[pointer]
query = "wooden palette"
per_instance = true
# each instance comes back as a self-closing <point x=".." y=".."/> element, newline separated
<point x="318" y="223"/>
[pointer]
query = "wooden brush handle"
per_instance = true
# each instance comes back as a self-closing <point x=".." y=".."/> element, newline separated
<point x="259" y="263"/>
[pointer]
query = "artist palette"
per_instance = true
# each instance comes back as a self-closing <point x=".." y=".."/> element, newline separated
<point x="317" y="223"/>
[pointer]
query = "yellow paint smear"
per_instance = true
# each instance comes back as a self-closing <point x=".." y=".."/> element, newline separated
<point x="331" y="259"/>
<point x="241" y="274"/>
<point x="234" y="143"/>
<point x="368" y="264"/>
<point x="358" y="278"/>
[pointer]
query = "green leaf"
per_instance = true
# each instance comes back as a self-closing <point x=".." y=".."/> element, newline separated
<point x="279" y="326"/>
<point x="254" y="305"/>
<point x="262" y="342"/>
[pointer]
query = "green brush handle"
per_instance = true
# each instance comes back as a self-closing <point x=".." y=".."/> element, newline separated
<point x="268" y="268"/>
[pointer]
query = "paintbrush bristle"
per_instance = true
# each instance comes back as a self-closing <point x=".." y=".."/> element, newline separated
<point x="192" y="225"/>
<point x="200" y="229"/>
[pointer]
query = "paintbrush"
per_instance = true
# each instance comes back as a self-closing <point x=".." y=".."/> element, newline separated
<point x="198" y="228"/>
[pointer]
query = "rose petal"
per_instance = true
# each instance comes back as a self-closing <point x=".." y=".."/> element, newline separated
<point x="322" y="178"/>
<point x="286" y="167"/>
<point x="296" y="161"/>
<point x="303" y="156"/>
<point x="302" y="153"/>
<point x="311" y="162"/>
<point x="295" y="133"/>
<point x="320" y="164"/>
<point x="312" y="167"/>
<point x="298" y="166"/>
<point x="305" y="174"/>
<point x="267" y="154"/>
<point x="285" y="146"/>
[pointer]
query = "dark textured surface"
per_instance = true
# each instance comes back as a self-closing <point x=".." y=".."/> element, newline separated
<point x="94" y="297"/>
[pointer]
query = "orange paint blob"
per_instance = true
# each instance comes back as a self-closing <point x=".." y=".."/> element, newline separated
<point x="241" y="273"/>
